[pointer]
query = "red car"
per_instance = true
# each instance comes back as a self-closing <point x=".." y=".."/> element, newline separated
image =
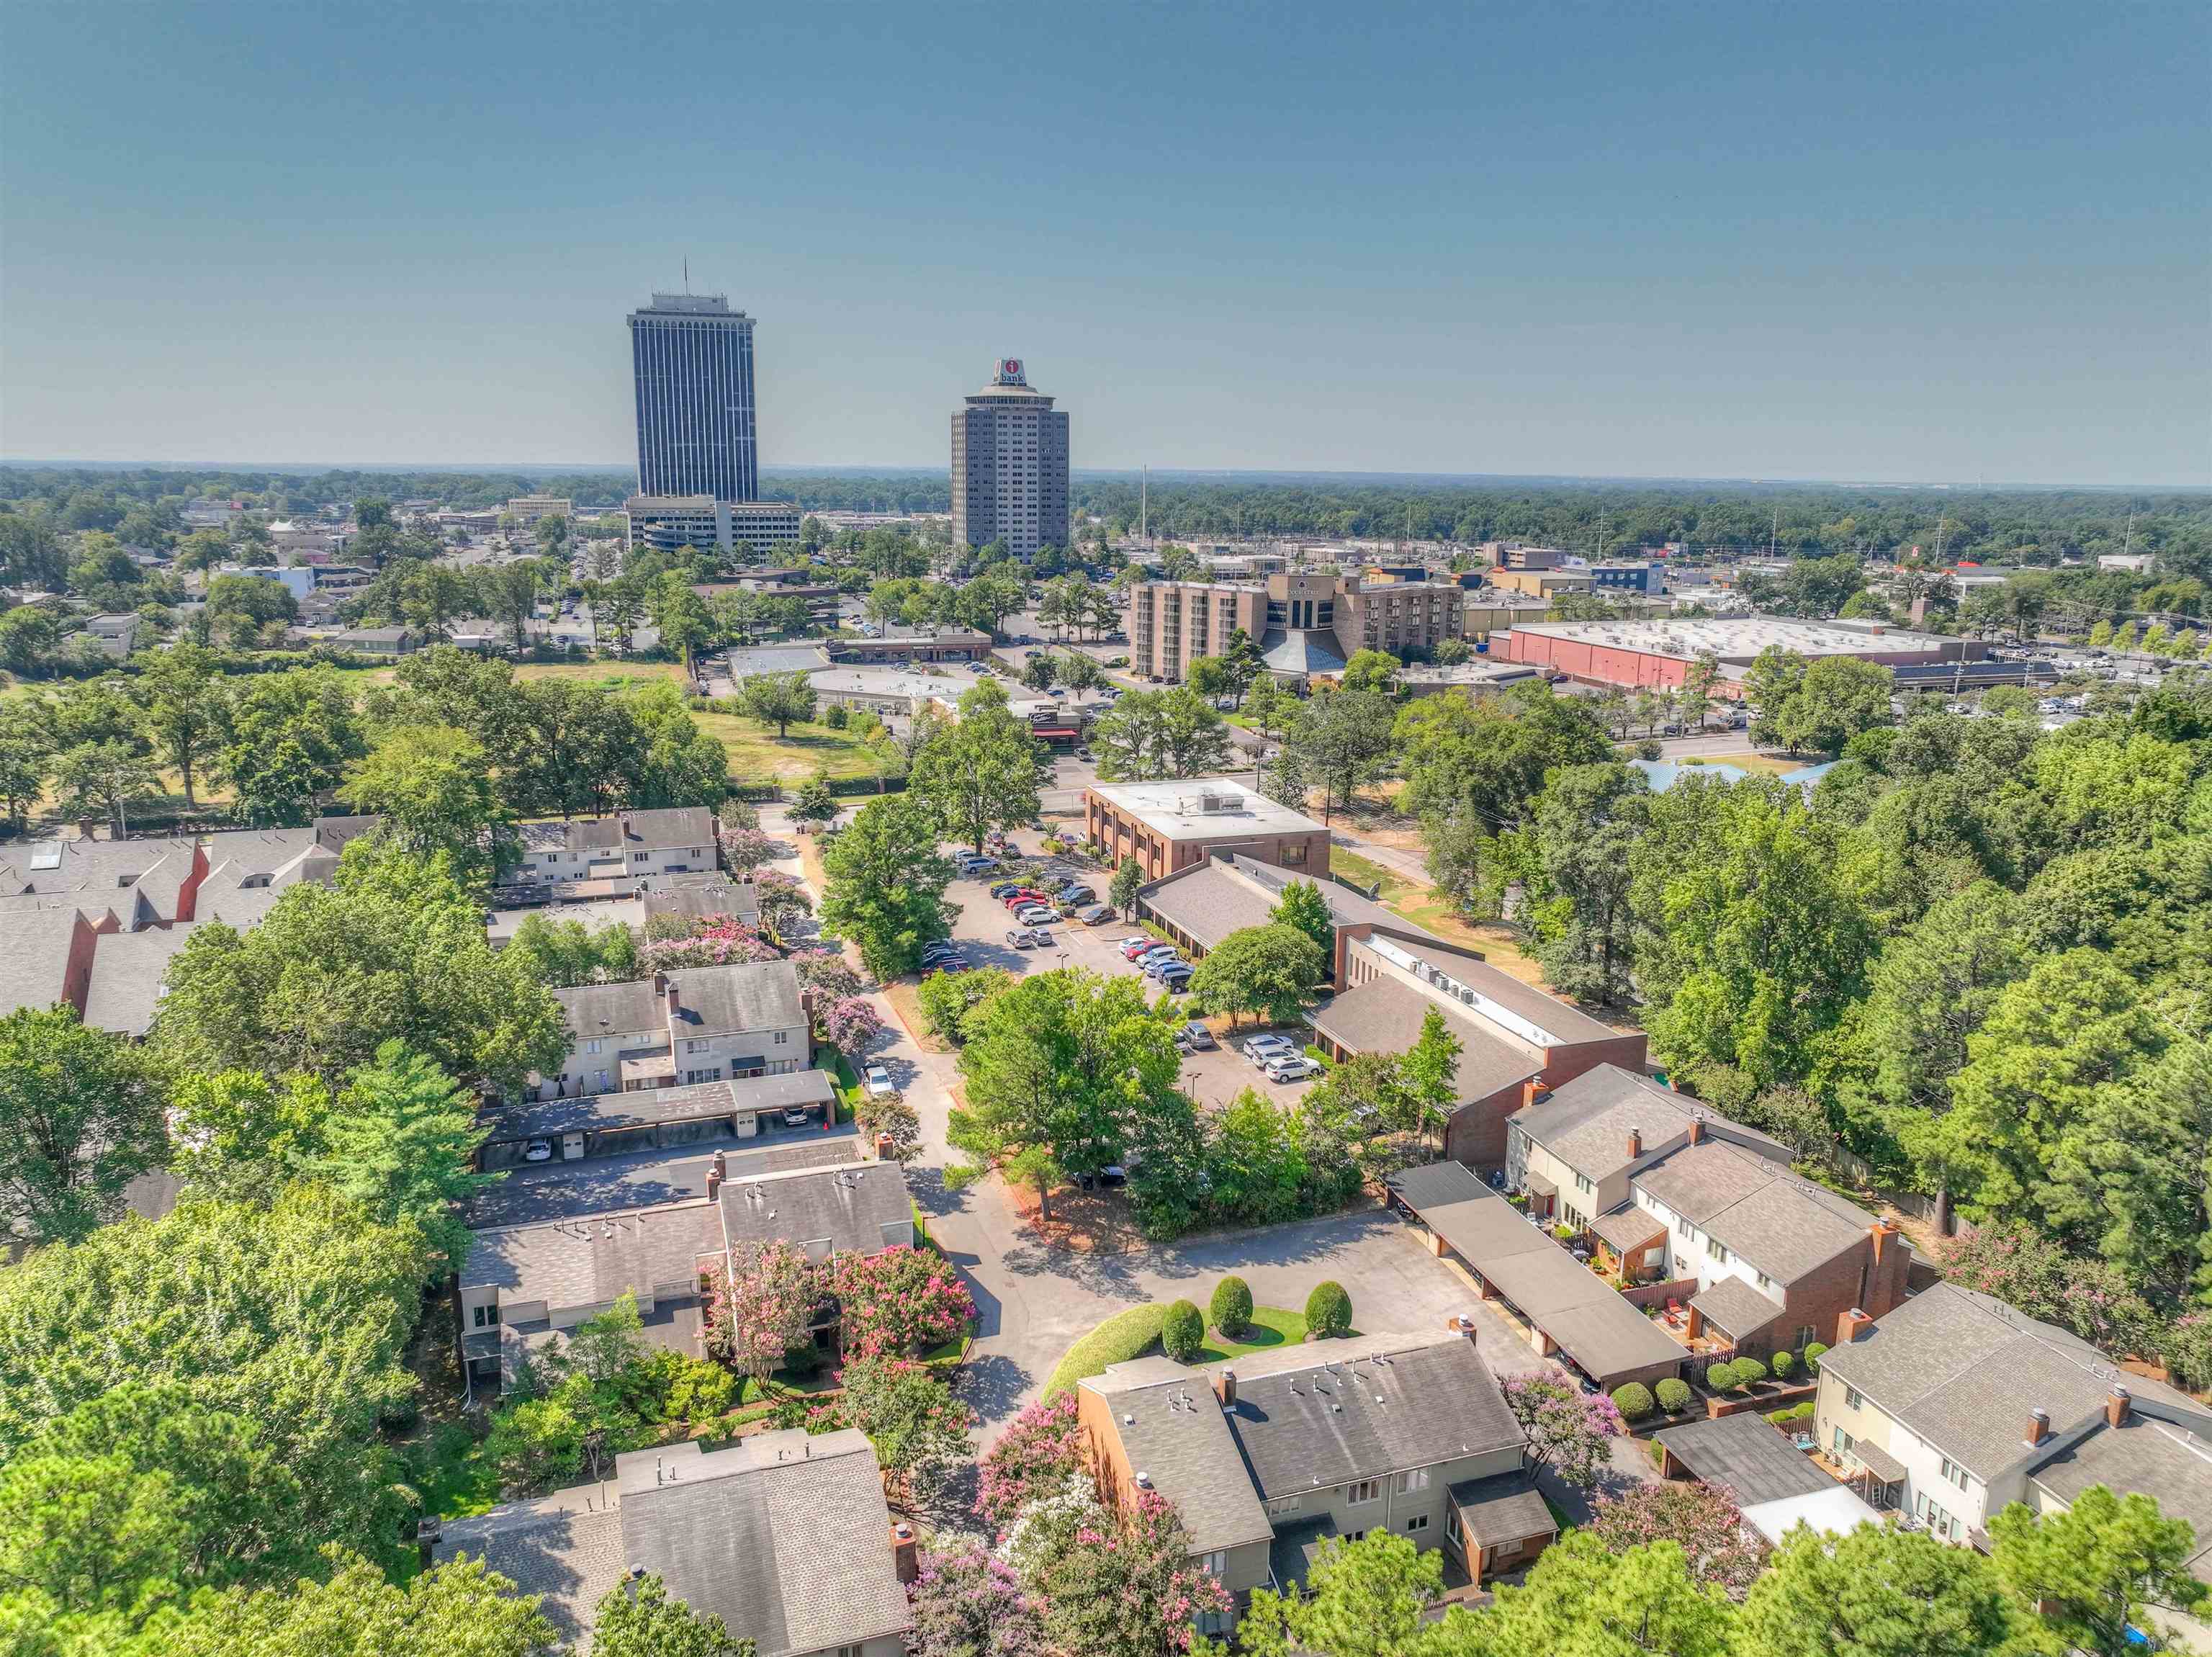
<point x="1133" y="948"/>
<point x="1026" y="895"/>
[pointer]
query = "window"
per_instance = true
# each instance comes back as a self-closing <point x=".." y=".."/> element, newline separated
<point x="713" y="1073"/>
<point x="1804" y="1336"/>
<point x="1717" y="1249"/>
<point x="1367" y="1489"/>
<point x="1418" y="1522"/>
<point x="1452" y="1525"/>
<point x="782" y="1036"/>
<point x="1683" y="1226"/>
<point x="594" y="1044"/>
<point x="1583" y="1183"/>
<point x="1851" y="1399"/>
<point x="1940" y="1521"/>
<point x="1416" y="1479"/>
<point x="1843" y="1442"/>
<point x="697" y="1046"/>
<point x="1214" y="1564"/>
<point x="1953" y="1472"/>
<point x="1285" y="1504"/>
<point x="487" y="1316"/>
<point x="1765" y="1282"/>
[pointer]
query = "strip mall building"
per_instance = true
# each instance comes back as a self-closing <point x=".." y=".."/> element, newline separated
<point x="1658" y="653"/>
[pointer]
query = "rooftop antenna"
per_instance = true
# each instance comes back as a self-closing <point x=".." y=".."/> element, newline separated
<point x="686" y="273"/>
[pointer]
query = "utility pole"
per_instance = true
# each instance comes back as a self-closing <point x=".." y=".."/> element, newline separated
<point x="1145" y="510"/>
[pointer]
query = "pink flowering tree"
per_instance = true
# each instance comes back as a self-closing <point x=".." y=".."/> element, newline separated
<point x="1703" y="1520"/>
<point x="899" y="1301"/>
<point x="782" y="898"/>
<point x="716" y="941"/>
<point x="824" y="979"/>
<point x="1117" y="1583"/>
<point x="1040" y="1449"/>
<point x="764" y="1307"/>
<point x="851" y="1023"/>
<point x="966" y="1604"/>
<point x="749" y="847"/>
<point x="2089" y="1296"/>
<point x="1570" y="1430"/>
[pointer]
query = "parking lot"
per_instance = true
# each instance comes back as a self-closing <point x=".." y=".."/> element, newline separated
<point x="1211" y="1077"/>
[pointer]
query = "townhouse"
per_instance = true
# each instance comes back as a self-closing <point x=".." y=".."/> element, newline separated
<point x="630" y="852"/>
<point x="1514" y="1040"/>
<point x="1673" y="1192"/>
<point x="1269" y="1456"/>
<point x="784" y="1536"/>
<point x="1954" y="1404"/>
<point x="694" y="1025"/>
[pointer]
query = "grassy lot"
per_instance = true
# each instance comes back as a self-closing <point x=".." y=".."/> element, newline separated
<point x="1776" y="765"/>
<point x="757" y="753"/>
<point x="1134" y="1333"/>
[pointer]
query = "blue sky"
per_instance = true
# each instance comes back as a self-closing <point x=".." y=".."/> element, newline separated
<point x="1932" y="242"/>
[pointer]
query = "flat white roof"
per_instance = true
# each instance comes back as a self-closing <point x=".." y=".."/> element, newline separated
<point x="1191" y="810"/>
<point x="883" y="681"/>
<point x="1735" y="637"/>
<point x="1831" y="1512"/>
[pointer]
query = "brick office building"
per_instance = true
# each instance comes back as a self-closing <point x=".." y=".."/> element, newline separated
<point x="1166" y="827"/>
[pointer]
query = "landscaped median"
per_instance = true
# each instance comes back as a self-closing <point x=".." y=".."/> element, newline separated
<point x="1142" y="1329"/>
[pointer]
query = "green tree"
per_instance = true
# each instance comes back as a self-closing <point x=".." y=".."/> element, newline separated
<point x="402" y="1145"/>
<point x="104" y="779"/>
<point x="1122" y="893"/>
<point x="1270" y="970"/>
<point x="1774" y="677"/>
<point x="395" y="950"/>
<point x="433" y="787"/>
<point x="885" y="883"/>
<point x="1581" y="1601"/>
<point x="462" y="1609"/>
<point x="1244" y="663"/>
<point x="637" y="1618"/>
<point x="1837" y="698"/>
<point x="984" y="773"/>
<point x="28" y="635"/>
<point x="1071" y="1064"/>
<point x="564" y="953"/>
<point x="287" y="741"/>
<point x="779" y="699"/>
<point x="812" y="803"/>
<point x="1587" y="821"/>
<point x="84" y="1111"/>
<point x="26" y="749"/>
<point x="1428" y="1077"/>
<point x="685" y="624"/>
<point x="1371" y="670"/>
<point x="1364" y="1598"/>
<point x="1879" y="1591"/>
<point x="186" y="701"/>
<point x="1041" y="671"/>
<point x="1150" y="734"/>
<point x="1488" y="759"/>
<point x="918" y="1427"/>
<point x="2099" y="1568"/>
<point x="1303" y="908"/>
<point x="1344" y="739"/>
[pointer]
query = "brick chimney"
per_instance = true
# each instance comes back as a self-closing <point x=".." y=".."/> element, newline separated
<point x="1697" y="1130"/>
<point x="671" y="994"/>
<point x="2116" y="1405"/>
<point x="905" y="1556"/>
<point x="1635" y="1143"/>
<point x="1461" y="1324"/>
<point x="1225" y="1386"/>
<point x="717" y="1170"/>
<point x="1529" y="1090"/>
<point x="1852" y="1324"/>
<point x="1880" y="1232"/>
<point x="2039" y="1426"/>
<point x="426" y="1533"/>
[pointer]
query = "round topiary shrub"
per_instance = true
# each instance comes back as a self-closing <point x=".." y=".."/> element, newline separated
<point x="1673" y="1395"/>
<point x="1231" y="1306"/>
<point x="1813" y="1358"/>
<point x="1785" y="1365"/>
<point x="1721" y="1378"/>
<point x="1749" y="1371"/>
<point x="1633" y="1400"/>
<point x="1328" y="1311"/>
<point x="1184" y="1332"/>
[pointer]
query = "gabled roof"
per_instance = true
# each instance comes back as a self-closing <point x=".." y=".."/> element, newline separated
<point x="1738" y="1307"/>
<point x="1784" y="1225"/>
<point x="1382" y="1016"/>
<point x="35" y="965"/>
<point x="785" y="1536"/>
<point x="2160" y="1458"/>
<point x="127" y="970"/>
<point x="1173" y="1434"/>
<point x="1341" y="1410"/>
<point x="659" y="829"/>
<point x="1586" y="1122"/>
<point x="1210" y="900"/>
<point x="1963" y="1369"/>
<point x="565" y="1548"/>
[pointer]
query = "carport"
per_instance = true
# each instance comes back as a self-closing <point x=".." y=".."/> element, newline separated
<point x="1746" y="1454"/>
<point x="606" y="1125"/>
<point x="1570" y="1310"/>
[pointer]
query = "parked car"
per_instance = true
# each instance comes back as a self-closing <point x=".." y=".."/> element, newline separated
<point x="1095" y="914"/>
<point x="878" y="1081"/>
<point x="1260" y="1049"/>
<point x="931" y="951"/>
<point x="1037" y="915"/>
<point x="1006" y="888"/>
<point x="1156" y="964"/>
<point x="537" y="1150"/>
<point x="1159" y="952"/>
<point x="1198" y="1036"/>
<point x="1057" y="883"/>
<point x="1110" y="1178"/>
<point x="1029" y="937"/>
<point x="1133" y="948"/>
<point x="796" y="1116"/>
<point x="1174" y="978"/>
<point x="1023" y="898"/>
<point x="1290" y="1067"/>
<point x="975" y="864"/>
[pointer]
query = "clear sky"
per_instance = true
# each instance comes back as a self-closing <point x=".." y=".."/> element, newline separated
<point x="1935" y="240"/>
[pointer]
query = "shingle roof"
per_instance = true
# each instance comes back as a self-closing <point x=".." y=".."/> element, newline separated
<point x="852" y="1207"/>
<point x="1590" y="1322"/>
<point x="100" y="872"/>
<point x="1962" y="1370"/>
<point x="624" y="1181"/>
<point x="699" y="895"/>
<point x="1585" y="1123"/>
<point x="1381" y="1016"/>
<point x="646" y="1106"/>
<point x="2154" y="1456"/>
<point x="637" y="830"/>
<point x="1784" y="1225"/>
<point x="1220" y="896"/>
<point x="1504" y="1508"/>
<point x="1172" y="1431"/>
<point x="1338" y="1412"/>
<point x="127" y="969"/>
<point x="1746" y="1454"/>
<point x="1736" y="1306"/>
<point x="593" y="1009"/>
<point x="785" y="1536"/>
<point x="745" y="996"/>
<point x="35" y="966"/>
<point x="1628" y="1228"/>
<point x="565" y="1548"/>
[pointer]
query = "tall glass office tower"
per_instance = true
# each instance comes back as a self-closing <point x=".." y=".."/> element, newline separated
<point x="693" y="358"/>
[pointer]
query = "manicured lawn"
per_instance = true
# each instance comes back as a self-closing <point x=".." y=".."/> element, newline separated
<point x="757" y="753"/>
<point x="1133" y="1333"/>
<point x="1271" y="1326"/>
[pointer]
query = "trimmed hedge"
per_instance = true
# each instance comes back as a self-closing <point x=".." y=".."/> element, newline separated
<point x="1328" y="1311"/>
<point x="1633" y="1400"/>
<point x="1183" y="1332"/>
<point x="1721" y="1378"/>
<point x="1124" y="1336"/>
<point x="1813" y="1358"/>
<point x="1785" y="1365"/>
<point x="1672" y="1394"/>
<point x="1749" y="1371"/>
<point x="1231" y="1306"/>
